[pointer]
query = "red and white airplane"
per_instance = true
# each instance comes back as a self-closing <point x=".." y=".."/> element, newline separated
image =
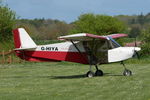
<point x="81" y="48"/>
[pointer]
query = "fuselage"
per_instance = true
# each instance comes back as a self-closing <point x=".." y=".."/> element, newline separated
<point x="66" y="51"/>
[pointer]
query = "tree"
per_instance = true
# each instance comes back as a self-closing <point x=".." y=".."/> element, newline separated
<point x="7" y="21"/>
<point x="146" y="42"/>
<point x="135" y="30"/>
<point x="141" y="19"/>
<point x="98" y="24"/>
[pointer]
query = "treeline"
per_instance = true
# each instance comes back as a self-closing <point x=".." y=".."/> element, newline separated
<point x="48" y="29"/>
<point x="44" y="29"/>
<point x="136" y="23"/>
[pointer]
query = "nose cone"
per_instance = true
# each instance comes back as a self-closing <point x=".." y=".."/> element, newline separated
<point x="137" y="48"/>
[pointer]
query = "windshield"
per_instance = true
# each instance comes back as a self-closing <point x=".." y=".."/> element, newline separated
<point x="113" y="43"/>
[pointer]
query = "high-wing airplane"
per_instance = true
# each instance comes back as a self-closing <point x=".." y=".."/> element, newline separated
<point x="81" y="48"/>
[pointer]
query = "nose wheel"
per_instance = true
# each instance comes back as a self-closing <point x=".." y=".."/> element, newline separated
<point x="127" y="72"/>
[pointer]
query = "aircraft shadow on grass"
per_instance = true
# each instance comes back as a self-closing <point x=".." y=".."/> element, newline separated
<point x="69" y="77"/>
<point x="61" y="77"/>
<point x="82" y="76"/>
<point x="21" y="77"/>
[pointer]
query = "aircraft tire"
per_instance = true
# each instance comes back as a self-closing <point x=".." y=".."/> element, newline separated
<point x="127" y="72"/>
<point x="99" y="73"/>
<point x="90" y="74"/>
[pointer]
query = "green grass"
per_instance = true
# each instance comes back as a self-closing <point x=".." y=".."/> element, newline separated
<point x="66" y="81"/>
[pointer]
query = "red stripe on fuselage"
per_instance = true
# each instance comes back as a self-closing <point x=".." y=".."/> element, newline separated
<point x="16" y="38"/>
<point x="55" y="56"/>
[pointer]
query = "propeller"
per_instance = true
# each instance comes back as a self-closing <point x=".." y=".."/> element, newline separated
<point x="136" y="49"/>
<point x="136" y="54"/>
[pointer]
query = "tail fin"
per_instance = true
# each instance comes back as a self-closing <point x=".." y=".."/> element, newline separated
<point x="22" y="40"/>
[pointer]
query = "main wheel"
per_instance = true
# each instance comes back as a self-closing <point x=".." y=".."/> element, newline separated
<point x="99" y="73"/>
<point x="90" y="74"/>
<point x="127" y="72"/>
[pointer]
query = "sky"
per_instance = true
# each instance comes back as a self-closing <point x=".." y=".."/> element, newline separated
<point x="70" y="10"/>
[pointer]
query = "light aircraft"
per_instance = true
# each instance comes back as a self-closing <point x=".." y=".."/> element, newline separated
<point x="81" y="48"/>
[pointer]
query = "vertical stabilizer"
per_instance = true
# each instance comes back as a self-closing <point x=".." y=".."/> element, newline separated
<point x="22" y="39"/>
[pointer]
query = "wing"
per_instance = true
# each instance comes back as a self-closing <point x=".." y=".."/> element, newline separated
<point x="89" y="37"/>
<point x="80" y="37"/>
<point x="117" y="35"/>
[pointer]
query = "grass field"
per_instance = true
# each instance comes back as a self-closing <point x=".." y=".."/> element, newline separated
<point x="66" y="81"/>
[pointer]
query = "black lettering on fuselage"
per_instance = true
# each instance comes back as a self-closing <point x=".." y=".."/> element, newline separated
<point x="52" y="48"/>
<point x="49" y="48"/>
<point x="42" y="48"/>
<point x="56" y="49"/>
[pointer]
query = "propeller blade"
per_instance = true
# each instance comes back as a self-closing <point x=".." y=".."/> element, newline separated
<point x="136" y="54"/>
<point x="136" y="49"/>
<point x="135" y="43"/>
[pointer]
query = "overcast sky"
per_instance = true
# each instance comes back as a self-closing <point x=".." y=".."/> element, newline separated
<point x="69" y="10"/>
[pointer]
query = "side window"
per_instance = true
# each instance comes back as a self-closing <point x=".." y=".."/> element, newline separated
<point x="87" y="47"/>
<point x="104" y="46"/>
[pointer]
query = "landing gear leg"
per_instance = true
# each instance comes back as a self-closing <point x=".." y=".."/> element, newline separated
<point x="126" y="71"/>
<point x="98" y="72"/>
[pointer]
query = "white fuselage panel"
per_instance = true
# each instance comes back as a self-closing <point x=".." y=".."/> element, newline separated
<point x="62" y="47"/>
<point x="120" y="54"/>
